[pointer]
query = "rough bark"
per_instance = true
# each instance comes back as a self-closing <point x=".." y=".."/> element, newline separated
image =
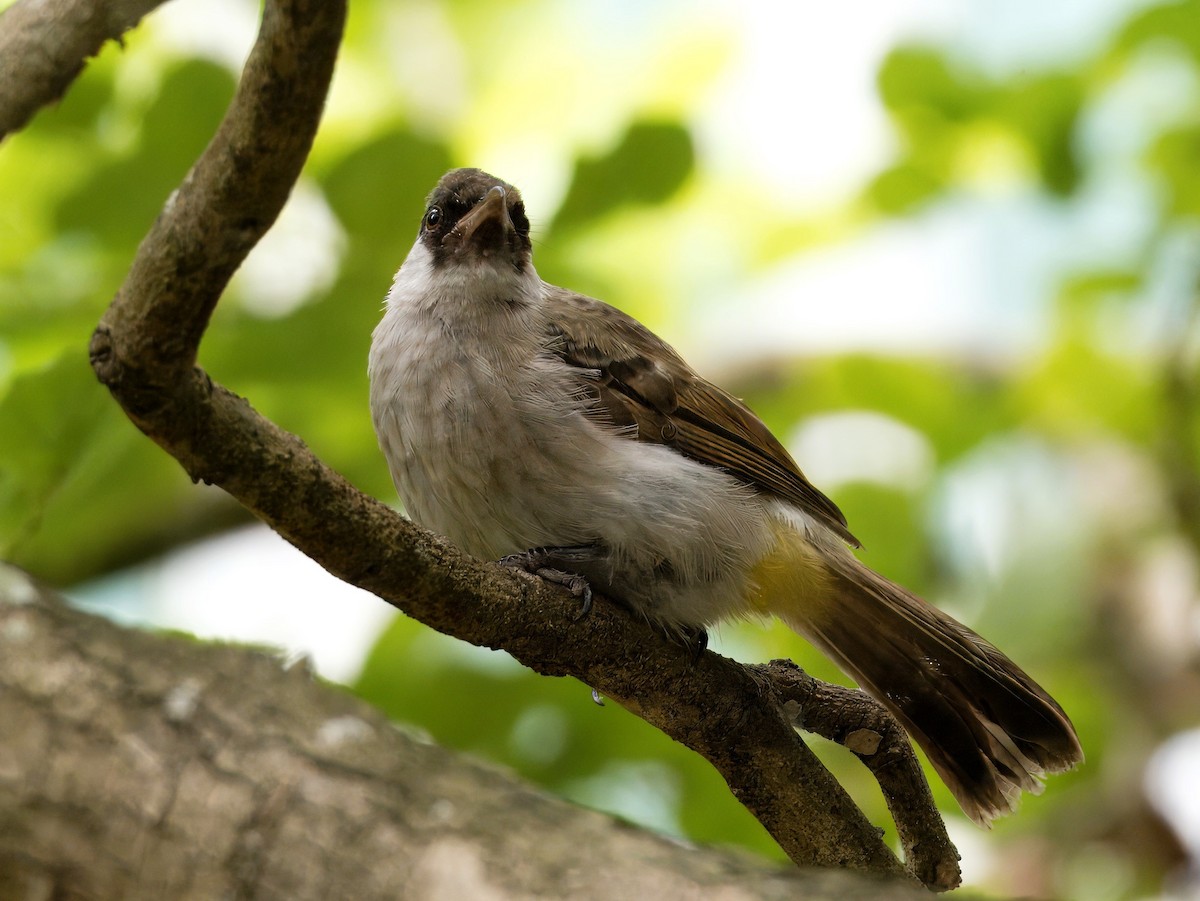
<point x="142" y="766"/>
<point x="45" y="43"/>
<point x="144" y="351"/>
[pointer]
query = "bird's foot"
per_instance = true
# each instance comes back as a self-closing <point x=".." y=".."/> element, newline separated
<point x="693" y="638"/>
<point x="553" y="564"/>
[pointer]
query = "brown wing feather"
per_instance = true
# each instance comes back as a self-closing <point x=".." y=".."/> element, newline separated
<point x="642" y="382"/>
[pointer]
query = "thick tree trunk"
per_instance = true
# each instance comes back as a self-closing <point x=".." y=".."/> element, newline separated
<point x="135" y="765"/>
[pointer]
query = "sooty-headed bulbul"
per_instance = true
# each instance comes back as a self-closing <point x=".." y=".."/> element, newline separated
<point x="517" y="415"/>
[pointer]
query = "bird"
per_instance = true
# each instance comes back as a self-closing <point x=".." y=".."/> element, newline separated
<point x="527" y="422"/>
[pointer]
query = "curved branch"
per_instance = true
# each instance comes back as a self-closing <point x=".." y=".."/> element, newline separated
<point x="144" y="351"/>
<point x="44" y="45"/>
<point x="858" y="722"/>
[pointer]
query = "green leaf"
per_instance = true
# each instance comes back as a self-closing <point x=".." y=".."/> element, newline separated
<point x="922" y="78"/>
<point x="378" y="189"/>
<point x="48" y="416"/>
<point x="82" y="491"/>
<point x="123" y="195"/>
<point x="1177" y="23"/>
<point x="904" y="188"/>
<point x="648" y="165"/>
<point x="1175" y="156"/>
<point x="1044" y="110"/>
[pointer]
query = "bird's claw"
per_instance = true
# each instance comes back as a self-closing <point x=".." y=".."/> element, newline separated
<point x="695" y="639"/>
<point x="534" y="561"/>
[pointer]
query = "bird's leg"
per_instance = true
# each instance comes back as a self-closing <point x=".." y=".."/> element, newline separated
<point x="556" y="564"/>
<point x="694" y="638"/>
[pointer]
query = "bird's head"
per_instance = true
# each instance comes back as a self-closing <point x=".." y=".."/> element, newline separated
<point x="474" y="219"/>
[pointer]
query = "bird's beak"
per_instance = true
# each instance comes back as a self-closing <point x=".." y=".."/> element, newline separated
<point x="487" y="227"/>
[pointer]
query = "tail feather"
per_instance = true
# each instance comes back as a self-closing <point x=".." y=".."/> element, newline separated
<point x="989" y="730"/>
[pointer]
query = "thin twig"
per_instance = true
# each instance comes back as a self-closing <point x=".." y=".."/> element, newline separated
<point x="858" y="722"/>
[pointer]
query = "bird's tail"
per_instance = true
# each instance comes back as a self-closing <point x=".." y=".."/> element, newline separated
<point x="989" y="730"/>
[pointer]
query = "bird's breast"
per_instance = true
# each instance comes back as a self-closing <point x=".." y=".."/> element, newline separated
<point x="479" y="441"/>
<point x="494" y="445"/>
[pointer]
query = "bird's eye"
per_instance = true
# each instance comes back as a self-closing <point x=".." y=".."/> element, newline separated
<point x="433" y="217"/>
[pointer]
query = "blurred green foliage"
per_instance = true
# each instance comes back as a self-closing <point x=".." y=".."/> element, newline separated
<point x="647" y="165"/>
<point x="944" y="113"/>
<point x="1080" y="451"/>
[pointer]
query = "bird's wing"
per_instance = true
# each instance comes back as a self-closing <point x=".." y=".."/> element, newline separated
<point x="646" y="389"/>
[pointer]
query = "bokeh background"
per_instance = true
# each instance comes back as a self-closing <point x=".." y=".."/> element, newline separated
<point x="949" y="251"/>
